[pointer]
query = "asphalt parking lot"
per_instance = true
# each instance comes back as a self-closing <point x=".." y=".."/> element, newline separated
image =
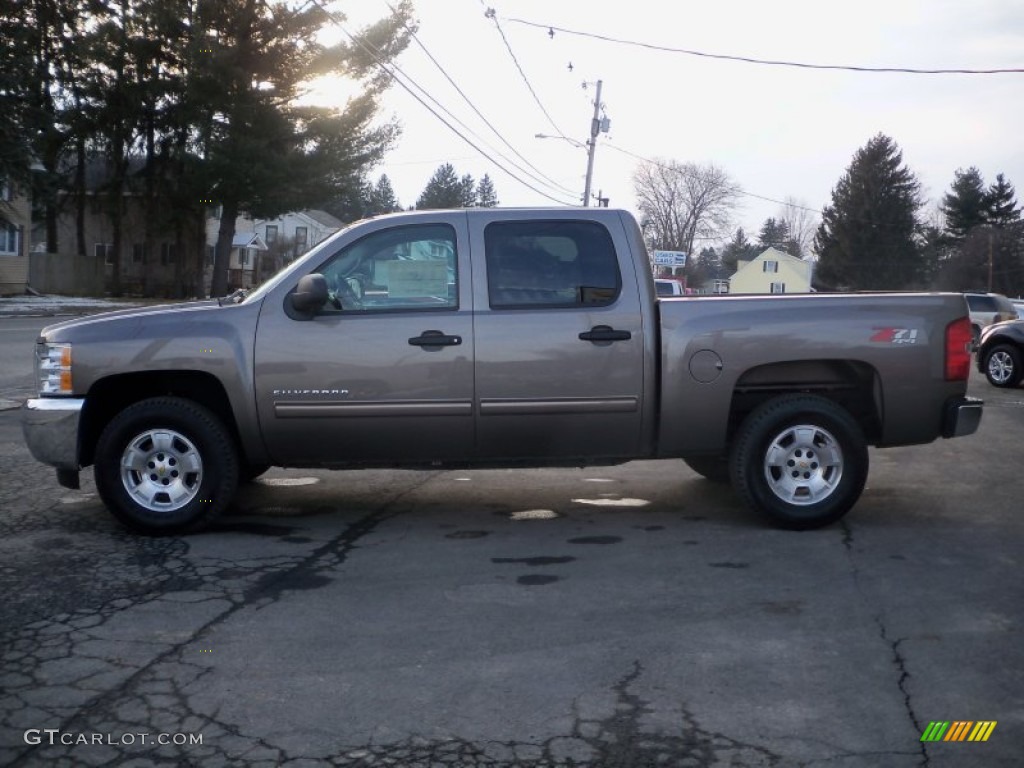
<point x="627" y="616"/>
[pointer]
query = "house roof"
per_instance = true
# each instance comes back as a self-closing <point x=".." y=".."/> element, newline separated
<point x="775" y="254"/>
<point x="248" y="240"/>
<point x="323" y="217"/>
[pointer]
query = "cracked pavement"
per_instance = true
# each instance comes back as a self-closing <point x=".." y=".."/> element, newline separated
<point x="520" y="618"/>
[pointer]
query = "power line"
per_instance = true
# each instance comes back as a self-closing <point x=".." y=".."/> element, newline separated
<point x="490" y="14"/>
<point x="767" y="62"/>
<point x="392" y="69"/>
<point x="539" y="176"/>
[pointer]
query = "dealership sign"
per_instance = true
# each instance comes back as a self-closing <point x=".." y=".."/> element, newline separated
<point x="669" y="259"/>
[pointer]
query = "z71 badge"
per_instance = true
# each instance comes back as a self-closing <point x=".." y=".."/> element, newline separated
<point x="895" y="335"/>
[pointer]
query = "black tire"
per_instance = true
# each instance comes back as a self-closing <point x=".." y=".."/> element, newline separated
<point x="800" y="459"/>
<point x="1003" y="366"/>
<point x="713" y="468"/>
<point x="183" y="469"/>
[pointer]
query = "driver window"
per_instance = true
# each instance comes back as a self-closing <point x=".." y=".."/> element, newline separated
<point x="402" y="268"/>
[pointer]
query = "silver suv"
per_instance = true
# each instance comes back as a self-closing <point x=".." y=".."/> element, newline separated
<point x="988" y="308"/>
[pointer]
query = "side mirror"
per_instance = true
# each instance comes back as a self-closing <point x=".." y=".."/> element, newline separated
<point x="309" y="295"/>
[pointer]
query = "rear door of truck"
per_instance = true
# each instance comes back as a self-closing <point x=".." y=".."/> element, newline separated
<point x="559" y="336"/>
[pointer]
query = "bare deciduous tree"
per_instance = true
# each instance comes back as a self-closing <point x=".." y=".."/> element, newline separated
<point x="681" y="202"/>
<point x="802" y="222"/>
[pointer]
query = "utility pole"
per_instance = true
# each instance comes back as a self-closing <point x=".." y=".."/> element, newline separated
<point x="595" y="129"/>
<point x="990" y="262"/>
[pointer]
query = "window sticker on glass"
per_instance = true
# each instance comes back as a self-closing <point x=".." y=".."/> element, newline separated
<point x="412" y="279"/>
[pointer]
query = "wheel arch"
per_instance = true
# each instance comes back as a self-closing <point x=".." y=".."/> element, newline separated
<point x="851" y="384"/>
<point x="112" y="394"/>
<point x="1014" y="340"/>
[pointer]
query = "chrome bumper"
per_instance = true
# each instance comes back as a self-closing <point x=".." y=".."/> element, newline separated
<point x="962" y="417"/>
<point x="50" y="426"/>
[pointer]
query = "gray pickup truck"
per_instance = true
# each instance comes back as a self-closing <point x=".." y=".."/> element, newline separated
<point x="495" y="337"/>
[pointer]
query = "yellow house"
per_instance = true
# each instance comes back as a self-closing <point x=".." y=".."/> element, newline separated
<point x="774" y="271"/>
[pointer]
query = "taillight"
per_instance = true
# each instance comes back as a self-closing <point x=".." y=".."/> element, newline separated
<point x="958" y="350"/>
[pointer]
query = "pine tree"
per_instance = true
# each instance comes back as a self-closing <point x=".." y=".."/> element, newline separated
<point x="966" y="204"/>
<point x="467" y="191"/>
<point x="1001" y="203"/>
<point x="446" y="190"/>
<point x="381" y="197"/>
<point x="486" y="195"/>
<point x="866" y="240"/>
<point x="738" y="249"/>
<point x="267" y="153"/>
<point x="774" y="234"/>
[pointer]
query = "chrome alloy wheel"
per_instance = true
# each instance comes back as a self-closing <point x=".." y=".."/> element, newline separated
<point x="1000" y="366"/>
<point x="803" y="464"/>
<point x="161" y="470"/>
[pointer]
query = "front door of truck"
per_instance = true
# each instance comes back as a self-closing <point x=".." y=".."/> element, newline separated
<point x="384" y="372"/>
<point x="560" y="347"/>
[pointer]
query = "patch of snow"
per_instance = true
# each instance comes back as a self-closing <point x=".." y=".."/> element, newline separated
<point x="52" y="304"/>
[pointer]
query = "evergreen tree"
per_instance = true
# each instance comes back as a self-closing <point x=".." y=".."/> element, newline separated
<point x="1001" y="203"/>
<point x="966" y="204"/>
<point x="486" y="195"/>
<point x="267" y="153"/>
<point x="738" y="249"/>
<point x="705" y="267"/>
<point x="446" y="190"/>
<point x="467" y="191"/>
<point x="381" y="197"/>
<point x="866" y="240"/>
<point x="774" y="234"/>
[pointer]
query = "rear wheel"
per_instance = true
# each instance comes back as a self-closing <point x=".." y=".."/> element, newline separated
<point x="800" y="459"/>
<point x="1003" y="366"/>
<point x="166" y="465"/>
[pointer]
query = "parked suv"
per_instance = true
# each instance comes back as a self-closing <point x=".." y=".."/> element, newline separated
<point x="1001" y="354"/>
<point x="988" y="308"/>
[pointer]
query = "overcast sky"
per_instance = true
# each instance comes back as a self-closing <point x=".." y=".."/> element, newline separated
<point x="778" y="131"/>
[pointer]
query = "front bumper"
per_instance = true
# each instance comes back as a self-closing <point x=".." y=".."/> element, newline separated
<point x="50" y="426"/>
<point x="962" y="416"/>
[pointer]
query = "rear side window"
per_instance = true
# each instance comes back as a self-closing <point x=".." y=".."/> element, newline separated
<point x="550" y="264"/>
<point x="1005" y="306"/>
<point x="982" y="303"/>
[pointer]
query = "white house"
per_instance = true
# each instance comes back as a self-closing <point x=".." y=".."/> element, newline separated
<point x="292" y="234"/>
<point x="262" y="246"/>
<point x="773" y="271"/>
<point x="244" y="268"/>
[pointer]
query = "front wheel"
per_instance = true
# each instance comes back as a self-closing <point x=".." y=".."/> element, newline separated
<point x="166" y="465"/>
<point x="1003" y="366"/>
<point x="800" y="459"/>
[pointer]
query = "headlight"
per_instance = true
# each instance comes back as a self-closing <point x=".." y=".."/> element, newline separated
<point x="53" y="369"/>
